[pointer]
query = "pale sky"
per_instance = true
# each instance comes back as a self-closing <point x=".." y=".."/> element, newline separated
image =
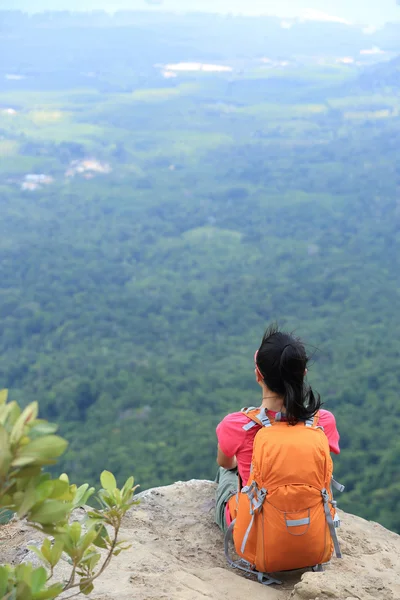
<point x="374" y="12"/>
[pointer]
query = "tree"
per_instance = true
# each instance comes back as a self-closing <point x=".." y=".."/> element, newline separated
<point x="27" y="446"/>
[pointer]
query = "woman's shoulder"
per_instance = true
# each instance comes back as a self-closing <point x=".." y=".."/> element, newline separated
<point x="236" y="418"/>
<point x="230" y="433"/>
<point x="240" y="418"/>
<point x="234" y="425"/>
<point x="326" y="416"/>
<point x="328" y="422"/>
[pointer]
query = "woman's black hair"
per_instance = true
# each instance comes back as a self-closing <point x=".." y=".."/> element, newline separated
<point x="282" y="361"/>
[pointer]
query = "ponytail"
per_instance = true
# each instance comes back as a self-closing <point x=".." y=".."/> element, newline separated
<point x="300" y="404"/>
<point x="299" y="400"/>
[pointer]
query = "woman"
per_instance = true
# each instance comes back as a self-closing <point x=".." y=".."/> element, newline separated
<point x="280" y="369"/>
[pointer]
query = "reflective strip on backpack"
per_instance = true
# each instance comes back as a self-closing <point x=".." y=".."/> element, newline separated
<point x="306" y="522"/>
<point x="297" y="522"/>
<point x="331" y="525"/>
<point x="249" y="425"/>
<point x="262" y="415"/>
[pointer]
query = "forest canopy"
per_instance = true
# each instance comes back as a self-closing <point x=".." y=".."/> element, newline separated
<point x="154" y="221"/>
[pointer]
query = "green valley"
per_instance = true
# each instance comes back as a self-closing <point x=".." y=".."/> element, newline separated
<point x="157" y="213"/>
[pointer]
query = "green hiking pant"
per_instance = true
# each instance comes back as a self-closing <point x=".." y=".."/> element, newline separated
<point x="227" y="487"/>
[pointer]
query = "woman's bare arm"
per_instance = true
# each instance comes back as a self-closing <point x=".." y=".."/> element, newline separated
<point x="227" y="462"/>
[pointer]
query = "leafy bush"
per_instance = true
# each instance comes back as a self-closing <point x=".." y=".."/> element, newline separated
<point x="27" y="445"/>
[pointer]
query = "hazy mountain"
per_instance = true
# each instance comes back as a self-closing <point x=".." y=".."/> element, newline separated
<point x="382" y="76"/>
<point x="190" y="38"/>
<point x="355" y="11"/>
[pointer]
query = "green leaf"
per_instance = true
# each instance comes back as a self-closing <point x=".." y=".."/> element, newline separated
<point x="26" y="472"/>
<point x="3" y="396"/>
<point x="124" y="546"/>
<point x="88" y="539"/>
<point x="36" y="491"/>
<point x="4" y="573"/>
<point x="80" y="493"/>
<point x="86" y="588"/>
<point x="104" y="533"/>
<point x="23" y="573"/>
<point x="51" y="511"/>
<point x="52" y="592"/>
<point x="10" y="414"/>
<point x="44" y="490"/>
<point x="41" y="450"/>
<point x="5" y="451"/>
<point x="90" y="554"/>
<point x="18" y="498"/>
<point x="39" y="578"/>
<point x="56" y="552"/>
<point x="75" y="531"/>
<point x="28" y="414"/>
<point x="86" y="496"/>
<point x="23" y="591"/>
<point x="100" y="542"/>
<point x="127" y="489"/>
<point x="60" y="490"/>
<point x="94" y="559"/>
<point x="29" y="499"/>
<point x="117" y="496"/>
<point x="4" y="438"/>
<point x="6" y="501"/>
<point x="103" y="537"/>
<point x="42" y="428"/>
<point x="38" y="553"/>
<point x="107" y="498"/>
<point x="108" y="481"/>
<point x="46" y="549"/>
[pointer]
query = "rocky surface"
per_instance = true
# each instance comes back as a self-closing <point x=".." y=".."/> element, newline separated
<point x="177" y="554"/>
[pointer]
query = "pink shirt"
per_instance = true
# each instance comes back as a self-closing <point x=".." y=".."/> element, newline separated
<point x="235" y="441"/>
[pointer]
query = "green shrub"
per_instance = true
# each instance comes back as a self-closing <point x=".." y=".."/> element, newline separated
<point x="27" y="445"/>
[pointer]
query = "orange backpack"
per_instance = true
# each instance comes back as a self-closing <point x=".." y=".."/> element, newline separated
<point x="285" y="516"/>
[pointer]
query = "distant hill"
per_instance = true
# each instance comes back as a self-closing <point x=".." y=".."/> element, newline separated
<point x="192" y="37"/>
<point x="374" y="13"/>
<point x="382" y="76"/>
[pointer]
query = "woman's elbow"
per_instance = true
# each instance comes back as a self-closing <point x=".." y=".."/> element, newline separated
<point x="226" y="462"/>
<point x="223" y="462"/>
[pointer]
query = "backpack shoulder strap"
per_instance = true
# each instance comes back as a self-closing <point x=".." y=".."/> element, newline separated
<point x="257" y="416"/>
<point x="313" y="422"/>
